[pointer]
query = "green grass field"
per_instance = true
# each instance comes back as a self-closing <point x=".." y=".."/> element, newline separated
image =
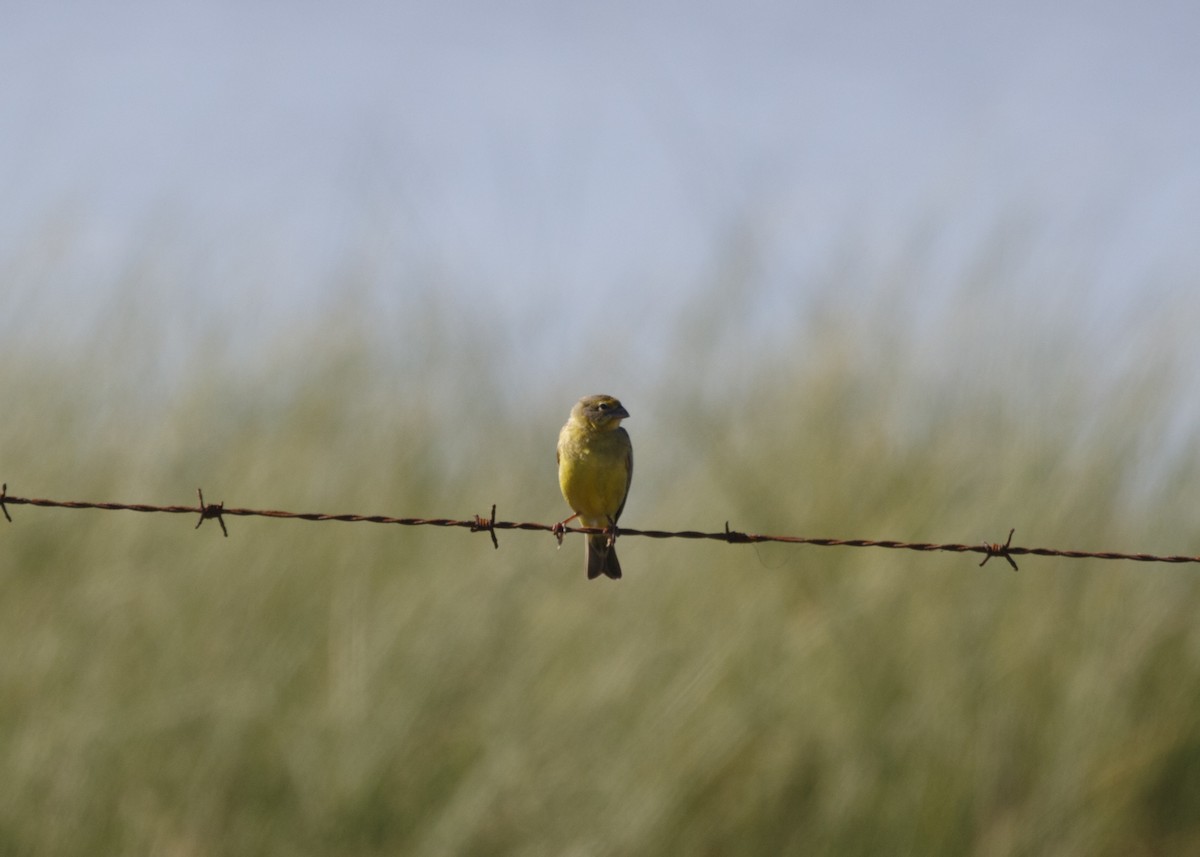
<point x="303" y="688"/>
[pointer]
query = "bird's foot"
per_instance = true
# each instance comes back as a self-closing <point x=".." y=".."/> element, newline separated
<point x="612" y="532"/>
<point x="559" y="529"/>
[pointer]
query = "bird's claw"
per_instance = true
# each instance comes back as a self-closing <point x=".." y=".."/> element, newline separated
<point x="612" y="532"/>
<point x="559" y="529"/>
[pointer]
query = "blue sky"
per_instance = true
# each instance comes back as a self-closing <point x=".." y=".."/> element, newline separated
<point x="523" y="156"/>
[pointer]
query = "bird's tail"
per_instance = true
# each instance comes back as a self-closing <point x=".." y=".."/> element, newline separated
<point x="602" y="558"/>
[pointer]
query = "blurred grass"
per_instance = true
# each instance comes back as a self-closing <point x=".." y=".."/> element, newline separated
<point x="313" y="689"/>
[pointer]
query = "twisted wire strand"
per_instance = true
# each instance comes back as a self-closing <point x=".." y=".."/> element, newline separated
<point x="218" y="511"/>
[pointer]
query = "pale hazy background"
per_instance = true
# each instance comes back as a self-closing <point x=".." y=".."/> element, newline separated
<point x="546" y="162"/>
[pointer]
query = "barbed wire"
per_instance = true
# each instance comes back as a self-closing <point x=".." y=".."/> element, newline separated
<point x="489" y="525"/>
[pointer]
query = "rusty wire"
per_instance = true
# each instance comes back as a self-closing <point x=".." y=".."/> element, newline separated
<point x="218" y="512"/>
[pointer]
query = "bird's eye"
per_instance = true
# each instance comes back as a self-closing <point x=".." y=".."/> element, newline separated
<point x="603" y="406"/>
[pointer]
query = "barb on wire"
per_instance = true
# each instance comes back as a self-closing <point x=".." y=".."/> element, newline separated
<point x="1003" y="550"/>
<point x="734" y="537"/>
<point x="487" y="525"/>
<point x="211" y="511"/>
<point x="490" y="525"/>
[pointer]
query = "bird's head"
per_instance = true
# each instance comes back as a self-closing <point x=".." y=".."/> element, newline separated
<point x="602" y="412"/>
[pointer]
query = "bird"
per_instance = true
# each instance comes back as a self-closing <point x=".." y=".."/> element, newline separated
<point x="595" y="466"/>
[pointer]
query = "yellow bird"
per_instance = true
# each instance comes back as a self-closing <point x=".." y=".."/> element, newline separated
<point x="595" y="466"/>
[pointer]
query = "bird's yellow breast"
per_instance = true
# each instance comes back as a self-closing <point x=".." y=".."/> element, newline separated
<point x="593" y="472"/>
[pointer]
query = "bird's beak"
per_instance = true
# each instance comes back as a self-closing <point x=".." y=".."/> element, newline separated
<point x="620" y="413"/>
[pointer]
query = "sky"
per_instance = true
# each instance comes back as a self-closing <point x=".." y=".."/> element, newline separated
<point x="529" y="156"/>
